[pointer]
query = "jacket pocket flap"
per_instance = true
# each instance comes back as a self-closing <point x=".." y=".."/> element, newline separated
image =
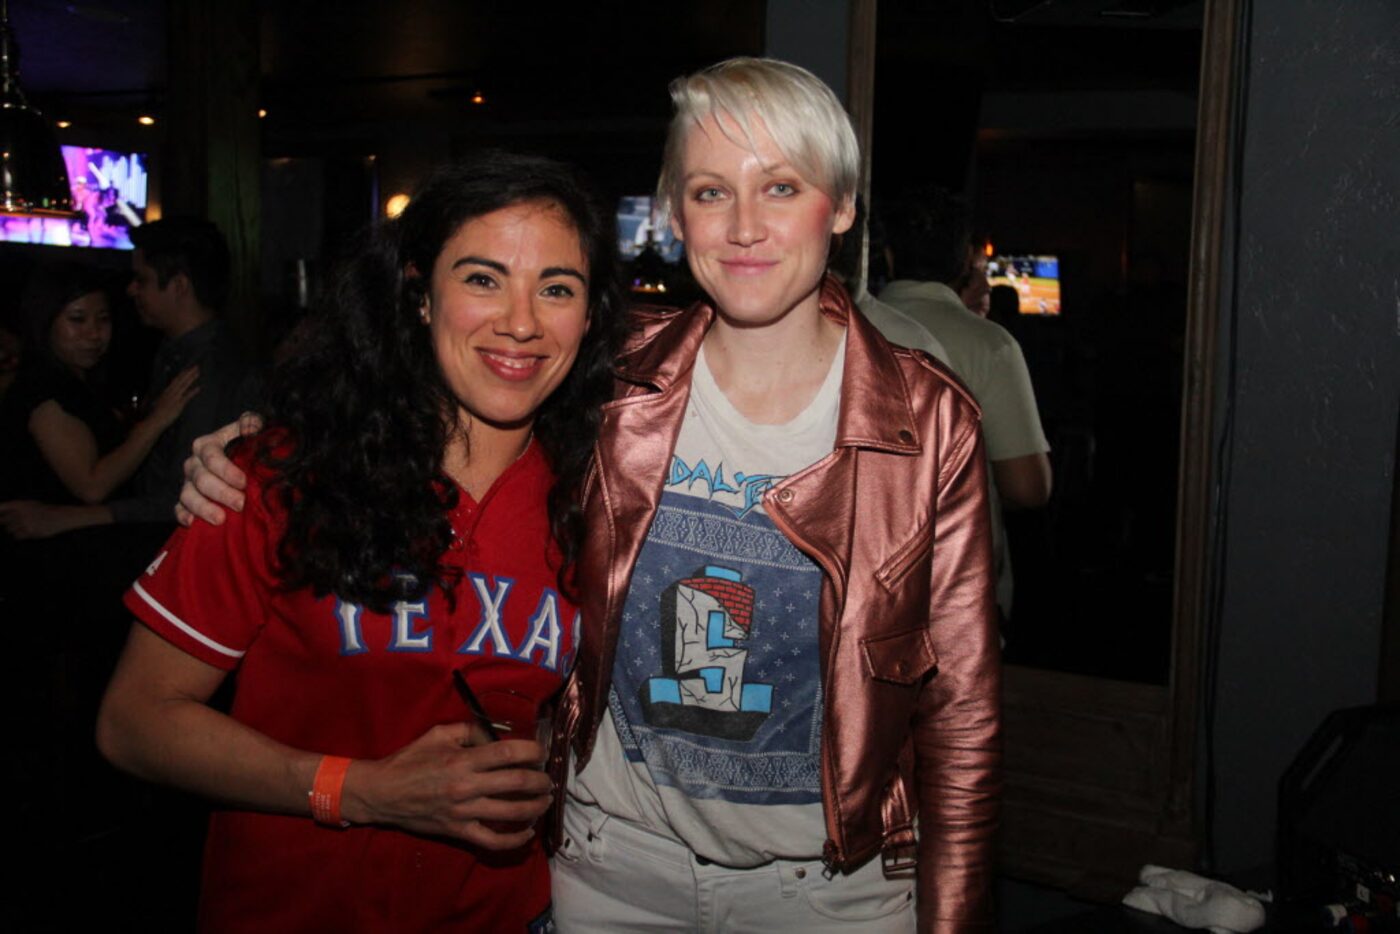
<point x="903" y="658"/>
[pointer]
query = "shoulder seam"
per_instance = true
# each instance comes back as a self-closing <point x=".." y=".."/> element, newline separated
<point x="954" y="456"/>
<point x="940" y="369"/>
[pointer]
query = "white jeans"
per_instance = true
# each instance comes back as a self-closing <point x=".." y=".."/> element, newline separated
<point x="611" y="876"/>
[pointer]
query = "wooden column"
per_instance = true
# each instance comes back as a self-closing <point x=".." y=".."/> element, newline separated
<point x="835" y="40"/>
<point x="212" y="159"/>
<point x="860" y="103"/>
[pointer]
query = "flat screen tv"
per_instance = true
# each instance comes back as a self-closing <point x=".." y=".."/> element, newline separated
<point x="639" y="222"/>
<point x="1035" y="277"/>
<point x="109" y="194"/>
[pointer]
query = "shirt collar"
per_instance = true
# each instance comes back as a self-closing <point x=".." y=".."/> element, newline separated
<point x="919" y="288"/>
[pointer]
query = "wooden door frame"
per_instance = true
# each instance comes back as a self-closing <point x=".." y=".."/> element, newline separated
<point x="1102" y="776"/>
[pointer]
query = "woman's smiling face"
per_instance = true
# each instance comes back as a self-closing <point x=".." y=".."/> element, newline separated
<point x="507" y="306"/>
<point x="756" y="232"/>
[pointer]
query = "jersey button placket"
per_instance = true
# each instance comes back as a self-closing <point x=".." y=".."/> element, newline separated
<point x="462" y="521"/>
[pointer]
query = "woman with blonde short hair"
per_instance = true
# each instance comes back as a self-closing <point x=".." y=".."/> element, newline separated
<point x="788" y="654"/>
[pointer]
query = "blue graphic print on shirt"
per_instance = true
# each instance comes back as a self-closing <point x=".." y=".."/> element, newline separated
<point x="716" y="686"/>
<point x="749" y="491"/>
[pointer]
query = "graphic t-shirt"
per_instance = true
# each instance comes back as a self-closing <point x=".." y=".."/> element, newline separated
<point x="332" y="677"/>
<point x="713" y="732"/>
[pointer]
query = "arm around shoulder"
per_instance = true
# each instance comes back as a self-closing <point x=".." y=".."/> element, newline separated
<point x="213" y="482"/>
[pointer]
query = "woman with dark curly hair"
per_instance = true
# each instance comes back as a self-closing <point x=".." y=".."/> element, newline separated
<point x="411" y="517"/>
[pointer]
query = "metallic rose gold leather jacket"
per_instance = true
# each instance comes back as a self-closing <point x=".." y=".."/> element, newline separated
<point x="897" y="519"/>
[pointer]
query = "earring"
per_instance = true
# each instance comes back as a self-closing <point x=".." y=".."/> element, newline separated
<point x="423" y="313"/>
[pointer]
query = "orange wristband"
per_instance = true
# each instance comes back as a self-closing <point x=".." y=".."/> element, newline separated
<point x="325" y="791"/>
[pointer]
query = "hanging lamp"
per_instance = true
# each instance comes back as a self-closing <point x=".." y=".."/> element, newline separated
<point x="33" y="176"/>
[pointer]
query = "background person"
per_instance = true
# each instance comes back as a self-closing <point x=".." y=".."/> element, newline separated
<point x="180" y="270"/>
<point x="412" y="512"/>
<point x="63" y="440"/>
<point x="974" y="290"/>
<point x="927" y="234"/>
<point x="895" y="325"/>
<point x="63" y="444"/>
<point x="179" y="283"/>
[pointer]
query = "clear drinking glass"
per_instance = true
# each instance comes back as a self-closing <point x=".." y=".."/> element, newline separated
<point x="506" y="714"/>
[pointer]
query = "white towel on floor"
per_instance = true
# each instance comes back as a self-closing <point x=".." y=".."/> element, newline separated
<point x="1194" y="901"/>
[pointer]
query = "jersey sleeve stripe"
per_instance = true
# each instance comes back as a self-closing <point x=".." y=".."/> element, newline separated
<point x="183" y="626"/>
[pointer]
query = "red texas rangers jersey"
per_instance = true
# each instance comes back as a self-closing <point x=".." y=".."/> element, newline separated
<point x="331" y="677"/>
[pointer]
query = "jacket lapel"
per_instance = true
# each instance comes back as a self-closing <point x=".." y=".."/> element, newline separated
<point x="817" y="507"/>
<point x="873" y="414"/>
<point x="641" y="424"/>
<point x="635" y="441"/>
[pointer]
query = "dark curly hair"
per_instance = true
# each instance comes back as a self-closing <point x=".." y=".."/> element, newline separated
<point x="359" y="414"/>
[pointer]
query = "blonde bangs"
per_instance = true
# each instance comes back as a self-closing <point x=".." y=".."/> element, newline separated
<point x="798" y="111"/>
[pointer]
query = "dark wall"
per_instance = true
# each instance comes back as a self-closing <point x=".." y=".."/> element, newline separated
<point x="1317" y="376"/>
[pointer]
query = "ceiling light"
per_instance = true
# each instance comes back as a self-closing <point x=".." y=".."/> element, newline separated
<point x="33" y="176"/>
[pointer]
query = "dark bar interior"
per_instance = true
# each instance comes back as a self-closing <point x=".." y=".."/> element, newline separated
<point x="1196" y="200"/>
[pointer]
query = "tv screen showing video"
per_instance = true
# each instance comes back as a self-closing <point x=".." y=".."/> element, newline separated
<point x="109" y="195"/>
<point x="1036" y="279"/>
<point x="639" y="222"/>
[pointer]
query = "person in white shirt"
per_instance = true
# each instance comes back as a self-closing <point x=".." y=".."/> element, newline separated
<point x="927" y="234"/>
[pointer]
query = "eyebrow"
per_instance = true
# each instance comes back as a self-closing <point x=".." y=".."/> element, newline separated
<point x="481" y="261"/>
<point x="772" y="168"/>
<point x="548" y="272"/>
<point x="552" y="271"/>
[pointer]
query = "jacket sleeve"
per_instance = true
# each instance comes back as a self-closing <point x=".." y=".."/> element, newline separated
<point x="958" y="718"/>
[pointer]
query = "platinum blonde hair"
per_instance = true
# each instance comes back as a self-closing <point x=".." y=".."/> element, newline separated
<point x="798" y="110"/>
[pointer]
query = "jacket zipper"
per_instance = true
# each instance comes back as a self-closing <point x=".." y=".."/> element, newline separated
<point x="832" y="857"/>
